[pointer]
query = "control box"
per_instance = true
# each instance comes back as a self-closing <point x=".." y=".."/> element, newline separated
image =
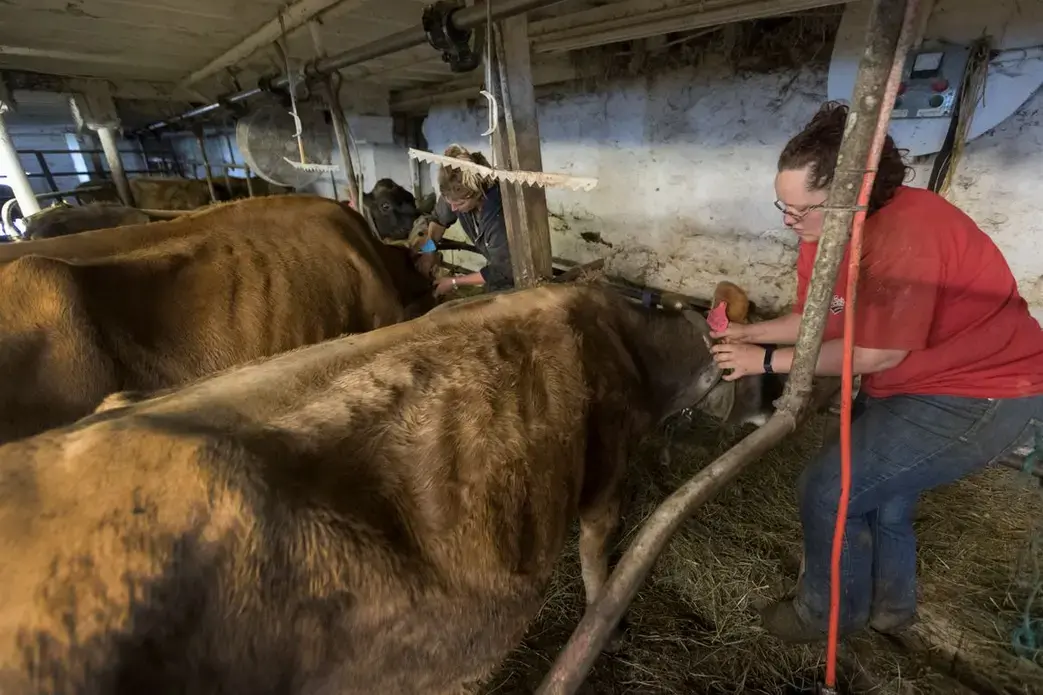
<point x="931" y="81"/>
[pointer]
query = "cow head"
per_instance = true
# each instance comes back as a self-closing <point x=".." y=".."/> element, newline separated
<point x="392" y="208"/>
<point x="745" y="401"/>
<point x="412" y="275"/>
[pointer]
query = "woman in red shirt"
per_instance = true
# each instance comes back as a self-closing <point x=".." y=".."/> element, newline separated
<point x="952" y="377"/>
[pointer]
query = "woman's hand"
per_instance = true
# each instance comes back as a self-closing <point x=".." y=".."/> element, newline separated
<point x="445" y="286"/>
<point x="734" y="333"/>
<point x="742" y="359"/>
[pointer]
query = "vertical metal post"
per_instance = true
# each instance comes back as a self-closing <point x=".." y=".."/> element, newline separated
<point x="249" y="183"/>
<point x="206" y="165"/>
<point x="144" y="155"/>
<point x="11" y="165"/>
<point x="175" y="163"/>
<point x="341" y="135"/>
<point x="228" y="179"/>
<point x="107" y="135"/>
<point x="46" y="171"/>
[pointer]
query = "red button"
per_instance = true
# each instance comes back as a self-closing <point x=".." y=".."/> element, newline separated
<point x="940" y="85"/>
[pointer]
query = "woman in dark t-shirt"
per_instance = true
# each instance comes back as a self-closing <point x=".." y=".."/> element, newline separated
<point x="474" y="202"/>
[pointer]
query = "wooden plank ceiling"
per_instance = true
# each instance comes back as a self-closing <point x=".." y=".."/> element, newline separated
<point x="165" y="41"/>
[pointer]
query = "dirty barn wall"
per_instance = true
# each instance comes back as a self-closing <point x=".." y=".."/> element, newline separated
<point x="686" y="161"/>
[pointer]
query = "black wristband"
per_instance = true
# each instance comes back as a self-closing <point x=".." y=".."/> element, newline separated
<point x="769" y="351"/>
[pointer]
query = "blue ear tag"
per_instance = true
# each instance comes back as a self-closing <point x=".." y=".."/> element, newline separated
<point x="428" y="247"/>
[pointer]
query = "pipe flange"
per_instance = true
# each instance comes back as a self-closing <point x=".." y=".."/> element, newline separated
<point x="451" y="40"/>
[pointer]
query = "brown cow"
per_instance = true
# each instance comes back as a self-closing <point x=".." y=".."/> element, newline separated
<point x="62" y="220"/>
<point x="150" y="306"/>
<point x="376" y="514"/>
<point x="152" y="193"/>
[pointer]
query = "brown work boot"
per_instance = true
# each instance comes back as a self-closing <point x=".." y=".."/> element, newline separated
<point x="783" y="621"/>
<point x="891" y="624"/>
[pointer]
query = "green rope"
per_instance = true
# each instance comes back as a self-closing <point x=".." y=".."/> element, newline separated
<point x="1027" y="638"/>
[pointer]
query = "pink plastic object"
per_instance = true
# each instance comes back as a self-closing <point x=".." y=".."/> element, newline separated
<point x="718" y="318"/>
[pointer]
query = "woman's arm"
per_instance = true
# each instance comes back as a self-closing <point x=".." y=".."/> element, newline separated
<point x="831" y="359"/>
<point x="443" y="218"/>
<point x="779" y="331"/>
<point x="747" y="359"/>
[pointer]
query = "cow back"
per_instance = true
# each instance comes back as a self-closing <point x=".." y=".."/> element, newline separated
<point x="165" y="303"/>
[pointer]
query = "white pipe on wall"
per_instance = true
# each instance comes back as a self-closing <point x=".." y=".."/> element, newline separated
<point x="12" y="168"/>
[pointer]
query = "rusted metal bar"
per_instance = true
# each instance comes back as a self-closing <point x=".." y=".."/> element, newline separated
<point x="46" y="171"/>
<point x="60" y="174"/>
<point x="79" y="151"/>
<point x="71" y="192"/>
<point x="341" y="135"/>
<point x="888" y="35"/>
<point x="206" y="165"/>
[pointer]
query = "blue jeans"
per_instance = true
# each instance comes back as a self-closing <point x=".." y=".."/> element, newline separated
<point x="900" y="446"/>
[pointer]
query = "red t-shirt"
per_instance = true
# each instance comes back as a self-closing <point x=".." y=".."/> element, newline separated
<point x="932" y="283"/>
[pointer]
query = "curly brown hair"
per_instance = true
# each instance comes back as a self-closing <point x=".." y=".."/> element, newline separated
<point x="816" y="147"/>
<point x="455" y="184"/>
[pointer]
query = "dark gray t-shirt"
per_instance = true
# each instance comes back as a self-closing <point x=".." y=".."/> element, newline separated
<point x="487" y="230"/>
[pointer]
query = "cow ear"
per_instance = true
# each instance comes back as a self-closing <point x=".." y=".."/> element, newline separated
<point x="736" y="301"/>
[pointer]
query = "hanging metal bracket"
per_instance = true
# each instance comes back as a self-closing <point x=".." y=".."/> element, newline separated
<point x="452" y="41"/>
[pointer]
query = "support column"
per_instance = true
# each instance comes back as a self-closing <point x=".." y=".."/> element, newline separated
<point x="11" y="165"/>
<point x="95" y="110"/>
<point x="518" y="147"/>
<point x="107" y="135"/>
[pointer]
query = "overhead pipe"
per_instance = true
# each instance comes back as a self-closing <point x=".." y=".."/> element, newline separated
<point x="464" y="18"/>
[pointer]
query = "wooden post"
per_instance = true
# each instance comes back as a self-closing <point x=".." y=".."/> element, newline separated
<point x="517" y="144"/>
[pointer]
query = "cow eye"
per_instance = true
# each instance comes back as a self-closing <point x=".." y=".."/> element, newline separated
<point x="386" y="207"/>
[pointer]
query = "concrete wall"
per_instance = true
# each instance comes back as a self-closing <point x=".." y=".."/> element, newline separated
<point x="686" y="162"/>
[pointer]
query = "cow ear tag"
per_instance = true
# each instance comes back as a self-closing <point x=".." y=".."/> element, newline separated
<point x="717" y="319"/>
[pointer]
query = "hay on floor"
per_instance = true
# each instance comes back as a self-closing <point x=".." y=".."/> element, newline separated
<point x="693" y="626"/>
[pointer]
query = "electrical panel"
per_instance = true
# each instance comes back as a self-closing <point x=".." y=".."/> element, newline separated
<point x="931" y="82"/>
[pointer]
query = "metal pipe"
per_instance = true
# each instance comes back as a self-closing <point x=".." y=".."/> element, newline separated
<point x="465" y="18"/>
<point x="33" y="152"/>
<point x="340" y="134"/>
<point x="108" y="143"/>
<point x="15" y="172"/>
<point x="71" y="192"/>
<point x="46" y="171"/>
<point x="206" y="166"/>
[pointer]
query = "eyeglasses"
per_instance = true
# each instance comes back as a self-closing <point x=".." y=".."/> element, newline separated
<point x="797" y="215"/>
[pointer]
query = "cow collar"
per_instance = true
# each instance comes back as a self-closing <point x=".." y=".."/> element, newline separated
<point x="710" y="376"/>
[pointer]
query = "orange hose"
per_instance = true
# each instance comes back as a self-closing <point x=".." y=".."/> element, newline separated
<point x="846" y="398"/>
<point x="876" y="148"/>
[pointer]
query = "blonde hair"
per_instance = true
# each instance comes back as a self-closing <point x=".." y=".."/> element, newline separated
<point x="456" y="184"/>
